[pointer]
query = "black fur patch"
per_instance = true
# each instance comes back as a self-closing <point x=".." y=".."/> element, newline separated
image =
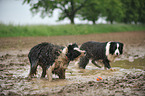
<point x="72" y="54"/>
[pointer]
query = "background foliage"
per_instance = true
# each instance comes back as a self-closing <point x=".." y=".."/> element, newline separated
<point x="125" y="11"/>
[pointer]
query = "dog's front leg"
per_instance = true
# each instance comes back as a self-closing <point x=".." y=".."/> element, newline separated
<point x="62" y="74"/>
<point x="49" y="73"/>
<point x="106" y="63"/>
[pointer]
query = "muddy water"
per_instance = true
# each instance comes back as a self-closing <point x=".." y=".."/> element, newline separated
<point x="14" y="69"/>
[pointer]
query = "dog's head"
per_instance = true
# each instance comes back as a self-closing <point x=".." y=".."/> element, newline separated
<point x="73" y="52"/>
<point x="116" y="48"/>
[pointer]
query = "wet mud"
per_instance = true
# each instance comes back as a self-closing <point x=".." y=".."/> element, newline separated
<point x="127" y="78"/>
<point x="131" y="84"/>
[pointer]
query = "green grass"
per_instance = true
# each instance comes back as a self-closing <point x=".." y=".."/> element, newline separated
<point x="55" y="30"/>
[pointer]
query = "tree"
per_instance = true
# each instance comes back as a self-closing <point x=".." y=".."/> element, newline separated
<point x="113" y="10"/>
<point x="91" y="11"/>
<point x="134" y="11"/>
<point x="130" y="11"/>
<point x="69" y="8"/>
<point x="141" y="12"/>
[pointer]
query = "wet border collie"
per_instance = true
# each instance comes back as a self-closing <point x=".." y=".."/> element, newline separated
<point x="97" y="51"/>
<point x="52" y="58"/>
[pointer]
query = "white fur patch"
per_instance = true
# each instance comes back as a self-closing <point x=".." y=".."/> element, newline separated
<point x="117" y="50"/>
<point x="111" y="57"/>
<point x="65" y="50"/>
<point x="108" y="48"/>
<point x="82" y="51"/>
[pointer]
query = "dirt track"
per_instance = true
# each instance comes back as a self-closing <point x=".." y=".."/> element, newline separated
<point x="127" y="80"/>
<point x="20" y="43"/>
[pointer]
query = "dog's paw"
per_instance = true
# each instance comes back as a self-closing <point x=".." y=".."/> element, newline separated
<point x="113" y="69"/>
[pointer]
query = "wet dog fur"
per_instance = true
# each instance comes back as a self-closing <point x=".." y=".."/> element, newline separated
<point x="53" y="59"/>
<point x="100" y="51"/>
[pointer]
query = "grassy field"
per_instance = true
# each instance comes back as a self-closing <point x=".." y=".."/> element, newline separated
<point x="55" y="30"/>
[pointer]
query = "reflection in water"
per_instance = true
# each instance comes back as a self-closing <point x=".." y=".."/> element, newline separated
<point x="130" y="64"/>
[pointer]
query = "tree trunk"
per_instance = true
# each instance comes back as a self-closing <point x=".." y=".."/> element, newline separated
<point x="93" y="22"/>
<point x="135" y="22"/>
<point x="72" y="12"/>
<point x="72" y="19"/>
<point x="111" y="21"/>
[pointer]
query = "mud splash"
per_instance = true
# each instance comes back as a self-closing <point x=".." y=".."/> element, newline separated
<point x="14" y="69"/>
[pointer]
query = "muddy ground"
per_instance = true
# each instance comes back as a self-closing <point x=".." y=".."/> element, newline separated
<point x="128" y="77"/>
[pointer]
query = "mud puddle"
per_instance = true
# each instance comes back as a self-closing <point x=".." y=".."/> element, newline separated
<point x="14" y="69"/>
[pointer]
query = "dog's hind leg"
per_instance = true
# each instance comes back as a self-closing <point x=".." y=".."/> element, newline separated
<point x="33" y="69"/>
<point x="43" y="72"/>
<point x="93" y="61"/>
<point x="83" y="62"/>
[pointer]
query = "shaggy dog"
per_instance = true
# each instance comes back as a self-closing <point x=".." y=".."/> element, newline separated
<point x="53" y="58"/>
<point x="97" y="51"/>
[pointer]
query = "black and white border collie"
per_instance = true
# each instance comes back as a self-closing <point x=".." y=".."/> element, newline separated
<point x="97" y="51"/>
<point x="52" y="58"/>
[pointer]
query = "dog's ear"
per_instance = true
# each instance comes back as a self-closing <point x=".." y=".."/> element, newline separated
<point x="112" y="48"/>
<point x="70" y="47"/>
<point x="122" y="44"/>
<point x="74" y="45"/>
<point x="121" y="48"/>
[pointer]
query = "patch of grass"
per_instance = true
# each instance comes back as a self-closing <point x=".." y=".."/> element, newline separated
<point x="55" y="30"/>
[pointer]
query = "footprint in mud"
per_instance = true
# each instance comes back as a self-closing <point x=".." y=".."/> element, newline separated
<point x="3" y="57"/>
<point x="131" y="84"/>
